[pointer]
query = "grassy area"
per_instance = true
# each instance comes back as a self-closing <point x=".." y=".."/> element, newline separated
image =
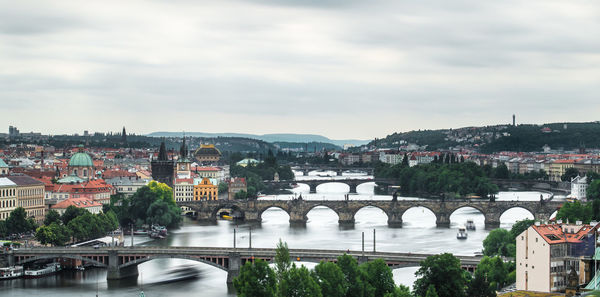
<point x="530" y="294"/>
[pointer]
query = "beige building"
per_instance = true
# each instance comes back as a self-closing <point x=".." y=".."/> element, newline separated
<point x="8" y="197"/>
<point x="183" y="189"/>
<point x="30" y="195"/>
<point x="558" y="168"/>
<point x="85" y="203"/>
<point x="546" y="253"/>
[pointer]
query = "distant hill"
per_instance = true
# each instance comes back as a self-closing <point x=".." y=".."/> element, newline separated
<point x="489" y="139"/>
<point x="293" y="138"/>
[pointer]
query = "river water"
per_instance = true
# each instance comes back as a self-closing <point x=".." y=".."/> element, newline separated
<point x="419" y="234"/>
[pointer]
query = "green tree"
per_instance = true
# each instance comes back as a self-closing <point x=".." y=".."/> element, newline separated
<point x="570" y="173"/>
<point x="444" y="273"/>
<point x="331" y="279"/>
<point x="255" y="280"/>
<point x="519" y="227"/>
<point x="72" y="212"/>
<point x="400" y="291"/>
<point x="431" y="292"/>
<point x="355" y="277"/>
<point x="282" y="260"/>
<point x="499" y="242"/>
<point x="593" y="191"/>
<point x="54" y="234"/>
<point x="379" y="276"/>
<point x="494" y="271"/>
<point x="298" y="283"/>
<point x="52" y="216"/>
<point x="17" y="221"/>
<point x="479" y="287"/>
<point x="152" y="203"/>
<point x="576" y="211"/>
<point x="223" y="187"/>
<point x="501" y="172"/>
<point x="241" y="195"/>
<point x="3" y="229"/>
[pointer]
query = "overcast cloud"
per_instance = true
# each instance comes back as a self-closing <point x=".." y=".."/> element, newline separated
<point x="343" y="69"/>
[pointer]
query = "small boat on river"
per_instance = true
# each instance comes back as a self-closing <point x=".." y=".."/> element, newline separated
<point x="470" y="225"/>
<point x="462" y="233"/>
<point x="11" y="272"/>
<point x="51" y="268"/>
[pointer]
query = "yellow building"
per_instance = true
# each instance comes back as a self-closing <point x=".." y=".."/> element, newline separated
<point x="558" y="168"/>
<point x="205" y="190"/>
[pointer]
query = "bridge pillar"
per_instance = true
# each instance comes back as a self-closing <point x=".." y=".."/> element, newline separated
<point x="114" y="272"/>
<point x="252" y="216"/>
<point x="443" y="219"/>
<point x="205" y="216"/>
<point x="492" y="220"/>
<point x="362" y="259"/>
<point x="346" y="218"/>
<point x="395" y="220"/>
<point x="339" y="172"/>
<point x="297" y="218"/>
<point x="313" y="188"/>
<point x="542" y="217"/>
<point x="353" y="188"/>
<point x="305" y="172"/>
<point x="233" y="270"/>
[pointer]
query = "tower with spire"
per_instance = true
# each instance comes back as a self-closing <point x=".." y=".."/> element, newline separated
<point x="163" y="167"/>
<point x="183" y="162"/>
<point x="124" y="136"/>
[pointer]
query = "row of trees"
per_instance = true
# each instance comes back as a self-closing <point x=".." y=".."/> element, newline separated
<point x="439" y="276"/>
<point x="151" y="204"/>
<point x="439" y="179"/>
<point x="76" y="224"/>
<point x="343" y="278"/>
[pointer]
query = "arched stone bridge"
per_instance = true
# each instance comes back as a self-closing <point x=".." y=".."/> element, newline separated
<point x="314" y="183"/>
<point x="346" y="210"/>
<point x="338" y="170"/>
<point x="122" y="262"/>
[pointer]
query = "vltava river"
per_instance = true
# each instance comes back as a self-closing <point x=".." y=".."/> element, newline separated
<point x="419" y="234"/>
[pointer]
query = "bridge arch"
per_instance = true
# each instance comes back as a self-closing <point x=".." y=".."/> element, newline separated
<point x="73" y="257"/>
<point x="531" y="214"/>
<point x="330" y="182"/>
<point x="415" y="208"/>
<point x="480" y="214"/>
<point x="231" y="206"/>
<point x="153" y="257"/>
<point x="312" y="207"/>
<point x="367" y="206"/>
<point x="261" y="211"/>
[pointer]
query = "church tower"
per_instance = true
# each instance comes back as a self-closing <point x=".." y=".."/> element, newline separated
<point x="162" y="167"/>
<point x="183" y="163"/>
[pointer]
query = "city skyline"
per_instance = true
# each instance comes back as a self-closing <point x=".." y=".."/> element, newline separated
<point x="340" y="69"/>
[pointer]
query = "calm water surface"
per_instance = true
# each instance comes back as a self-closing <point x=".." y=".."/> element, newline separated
<point x="419" y="234"/>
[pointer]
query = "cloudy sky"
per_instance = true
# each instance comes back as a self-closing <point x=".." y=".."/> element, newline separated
<point x="343" y="69"/>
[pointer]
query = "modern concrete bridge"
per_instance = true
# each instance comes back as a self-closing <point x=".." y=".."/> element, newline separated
<point x="314" y="183"/>
<point x="346" y="210"/>
<point x="122" y="262"/>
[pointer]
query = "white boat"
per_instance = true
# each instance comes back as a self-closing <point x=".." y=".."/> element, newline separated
<point x="471" y="225"/>
<point x="11" y="272"/>
<point x="48" y="270"/>
<point x="462" y="233"/>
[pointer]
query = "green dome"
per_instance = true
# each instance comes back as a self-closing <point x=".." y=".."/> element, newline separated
<point x="81" y="160"/>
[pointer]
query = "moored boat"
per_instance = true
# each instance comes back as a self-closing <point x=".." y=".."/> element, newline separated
<point x="462" y="233"/>
<point x="11" y="272"/>
<point x="470" y="225"/>
<point x="48" y="270"/>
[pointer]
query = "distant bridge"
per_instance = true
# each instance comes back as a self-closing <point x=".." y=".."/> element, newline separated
<point x="122" y="262"/>
<point x="346" y="210"/>
<point x="544" y="185"/>
<point x="314" y="183"/>
<point x="338" y="170"/>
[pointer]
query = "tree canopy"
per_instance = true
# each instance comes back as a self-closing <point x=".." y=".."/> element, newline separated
<point x="444" y="273"/>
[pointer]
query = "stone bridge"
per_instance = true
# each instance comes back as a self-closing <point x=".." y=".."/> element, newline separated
<point x="346" y="210"/>
<point x="338" y="170"/>
<point x="544" y="185"/>
<point x="122" y="262"/>
<point x="314" y="183"/>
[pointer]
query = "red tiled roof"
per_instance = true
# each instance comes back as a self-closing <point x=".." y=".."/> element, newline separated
<point x="554" y="233"/>
<point x="81" y="202"/>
